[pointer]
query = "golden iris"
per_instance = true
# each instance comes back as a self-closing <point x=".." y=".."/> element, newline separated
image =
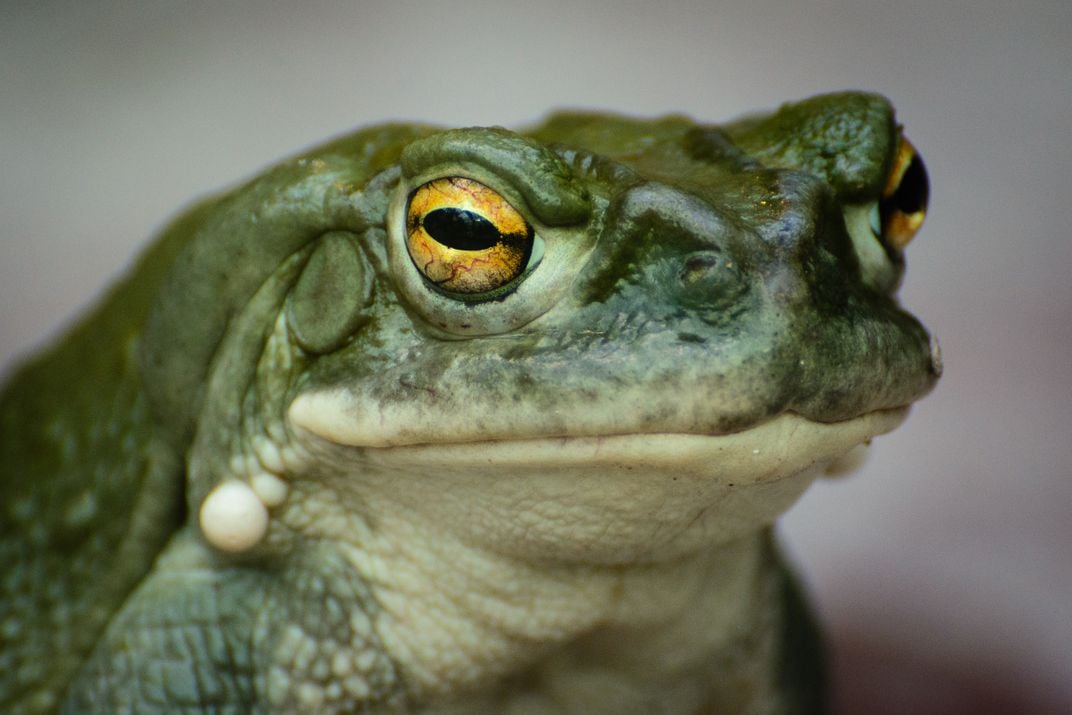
<point x="904" y="200"/>
<point x="465" y="237"/>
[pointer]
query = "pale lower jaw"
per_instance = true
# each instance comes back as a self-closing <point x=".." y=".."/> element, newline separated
<point x="611" y="500"/>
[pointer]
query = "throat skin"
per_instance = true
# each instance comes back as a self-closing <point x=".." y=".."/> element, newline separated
<point x="475" y="628"/>
<point x="702" y="634"/>
<point x="584" y="575"/>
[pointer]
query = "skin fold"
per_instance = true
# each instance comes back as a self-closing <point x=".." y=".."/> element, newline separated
<point x="466" y="420"/>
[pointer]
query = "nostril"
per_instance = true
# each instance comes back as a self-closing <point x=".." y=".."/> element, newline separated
<point x="697" y="266"/>
<point x="936" y="357"/>
<point x="708" y="283"/>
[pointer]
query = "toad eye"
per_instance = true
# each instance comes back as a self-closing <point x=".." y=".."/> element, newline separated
<point x="465" y="238"/>
<point x="904" y="200"/>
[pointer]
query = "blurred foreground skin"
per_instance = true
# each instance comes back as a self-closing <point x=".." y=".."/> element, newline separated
<point x="467" y="420"/>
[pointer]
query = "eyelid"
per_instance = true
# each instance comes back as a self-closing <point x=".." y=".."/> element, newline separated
<point x="544" y="181"/>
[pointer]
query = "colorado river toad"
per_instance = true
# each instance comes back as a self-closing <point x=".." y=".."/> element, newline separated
<point x="466" y="421"/>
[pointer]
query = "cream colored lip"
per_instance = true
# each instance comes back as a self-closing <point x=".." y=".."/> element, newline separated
<point x="783" y="445"/>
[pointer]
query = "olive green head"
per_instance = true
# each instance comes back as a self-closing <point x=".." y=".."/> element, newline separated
<point x="601" y="275"/>
<point x="595" y="275"/>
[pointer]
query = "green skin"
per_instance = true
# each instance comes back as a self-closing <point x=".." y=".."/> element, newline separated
<point x="484" y="499"/>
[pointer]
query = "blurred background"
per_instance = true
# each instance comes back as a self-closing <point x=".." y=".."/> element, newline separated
<point x="943" y="569"/>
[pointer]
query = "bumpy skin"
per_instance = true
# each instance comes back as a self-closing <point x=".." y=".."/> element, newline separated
<point x="556" y="498"/>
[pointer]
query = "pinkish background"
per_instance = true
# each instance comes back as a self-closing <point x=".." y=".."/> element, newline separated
<point x="943" y="569"/>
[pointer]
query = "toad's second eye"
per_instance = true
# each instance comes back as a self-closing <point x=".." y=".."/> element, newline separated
<point x="465" y="237"/>
<point x="904" y="200"/>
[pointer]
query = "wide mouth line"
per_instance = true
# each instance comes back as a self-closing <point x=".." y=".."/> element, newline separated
<point x="553" y="439"/>
<point x="771" y="439"/>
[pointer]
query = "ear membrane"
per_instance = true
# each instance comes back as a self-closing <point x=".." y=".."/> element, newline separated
<point x="330" y="300"/>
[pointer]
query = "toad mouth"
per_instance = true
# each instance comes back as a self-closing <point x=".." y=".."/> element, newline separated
<point x="783" y="445"/>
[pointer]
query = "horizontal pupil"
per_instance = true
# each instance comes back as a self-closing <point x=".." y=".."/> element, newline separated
<point x="461" y="230"/>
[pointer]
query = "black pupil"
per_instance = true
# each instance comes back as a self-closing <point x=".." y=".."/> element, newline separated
<point x="912" y="194"/>
<point x="460" y="229"/>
